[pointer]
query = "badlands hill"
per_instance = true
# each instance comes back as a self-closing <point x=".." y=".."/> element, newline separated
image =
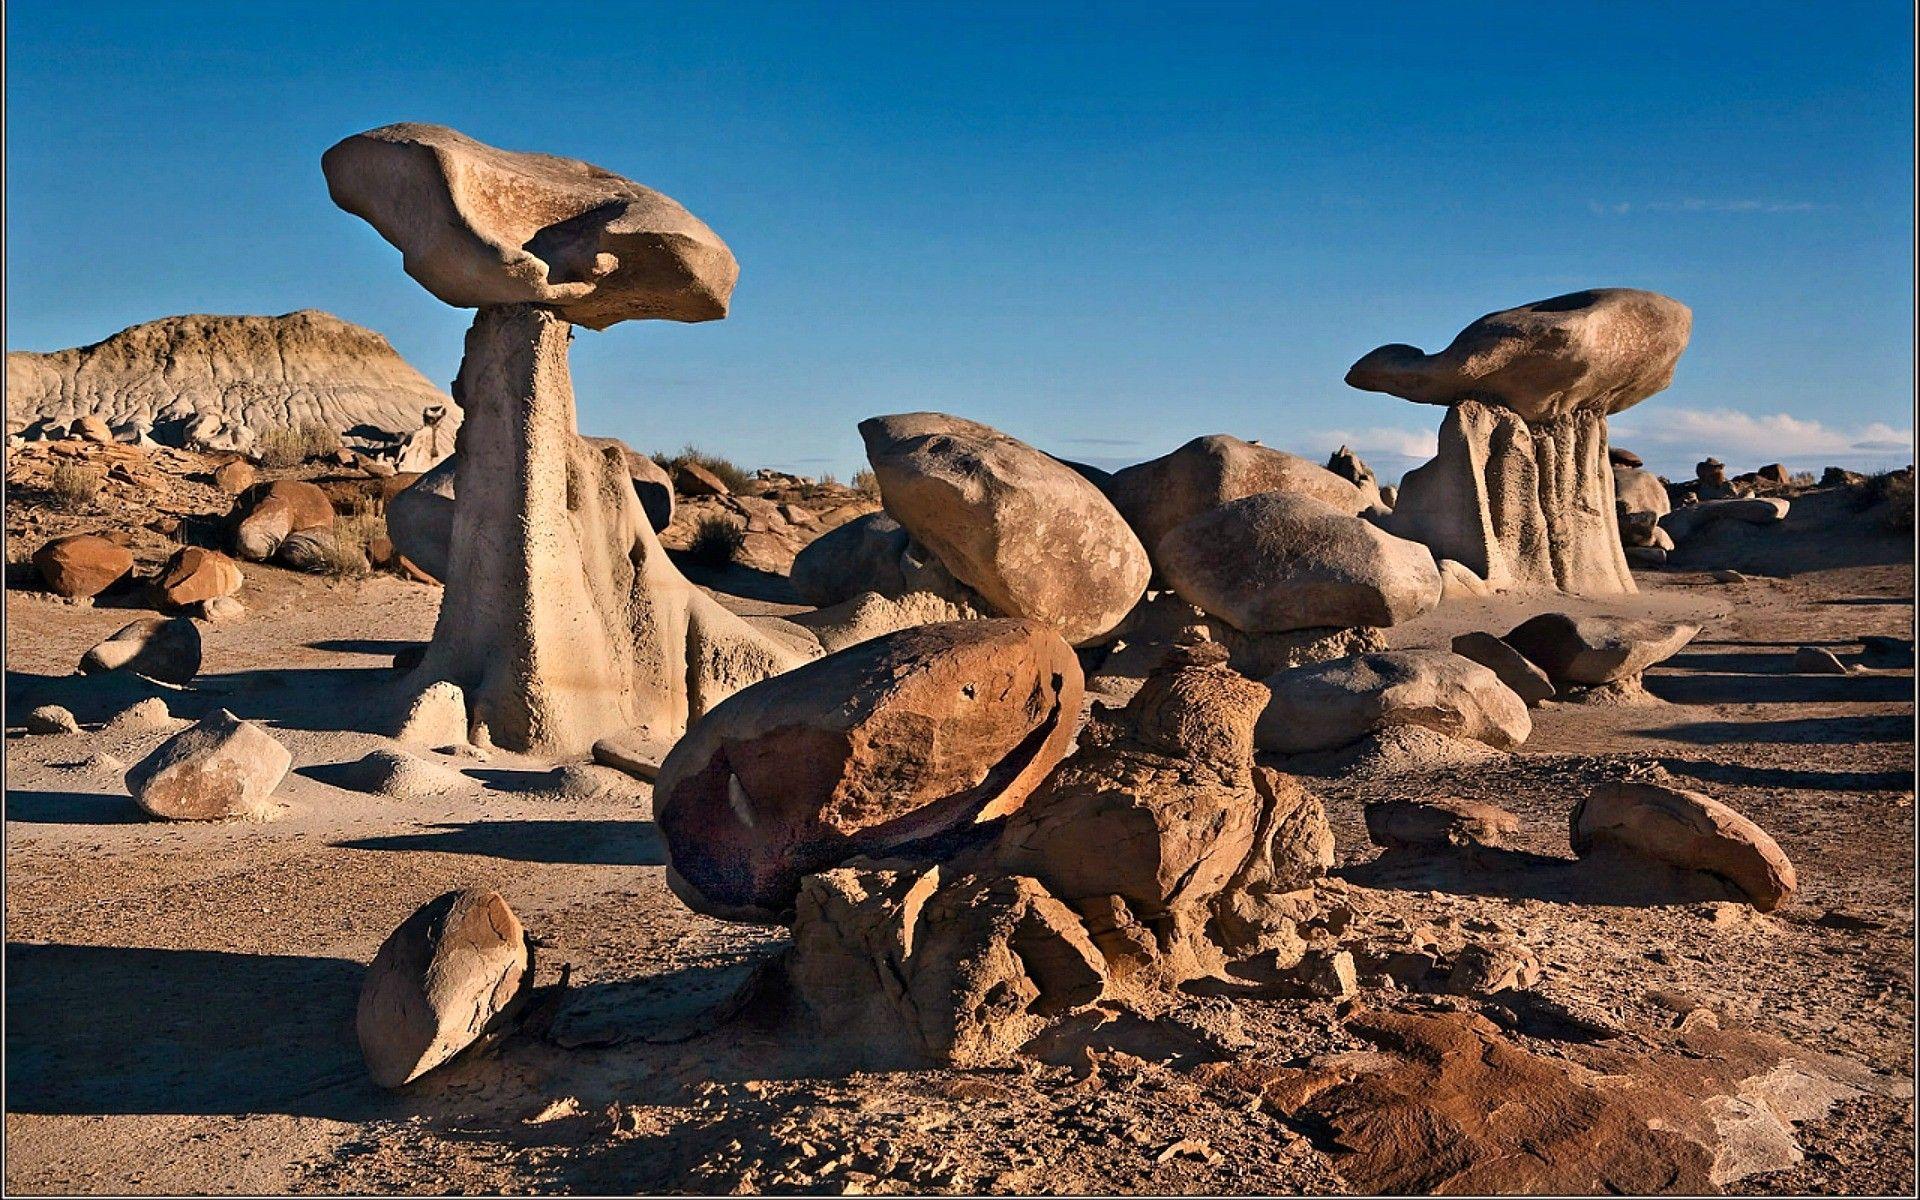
<point x="255" y="372"/>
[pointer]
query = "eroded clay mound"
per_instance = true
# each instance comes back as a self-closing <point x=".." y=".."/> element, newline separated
<point x="479" y="226"/>
<point x="902" y="738"/>
<point x="257" y="373"/>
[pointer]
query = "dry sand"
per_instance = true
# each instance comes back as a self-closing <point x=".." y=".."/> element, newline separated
<point x="180" y="997"/>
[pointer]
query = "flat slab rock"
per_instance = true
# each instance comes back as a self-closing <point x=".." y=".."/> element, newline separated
<point x="1590" y="651"/>
<point x="1515" y="670"/>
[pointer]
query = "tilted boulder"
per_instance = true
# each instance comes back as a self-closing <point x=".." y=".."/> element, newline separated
<point x="1020" y="528"/>
<point x="1328" y="705"/>
<point x="1273" y="562"/>
<point x="1591" y="651"/>
<point x="891" y="955"/>
<point x="267" y="513"/>
<point x="219" y="769"/>
<point x="916" y="735"/>
<point x="451" y="973"/>
<point x="1522" y="491"/>
<point x="194" y="575"/>
<point x="164" y="648"/>
<point x="420" y="518"/>
<point x="1161" y="494"/>
<point x="1515" y="670"/>
<point x="82" y="564"/>
<point x="862" y="555"/>
<point x="1686" y="830"/>
<point x="479" y="227"/>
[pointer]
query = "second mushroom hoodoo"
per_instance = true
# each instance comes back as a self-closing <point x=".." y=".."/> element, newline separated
<point x="1521" y="491"/>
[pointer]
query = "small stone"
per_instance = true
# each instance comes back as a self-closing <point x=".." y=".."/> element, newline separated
<point x="1813" y="660"/>
<point x="194" y="574"/>
<point x="51" y="718"/>
<point x="221" y="768"/>
<point x="1438" y="824"/>
<point x="219" y="610"/>
<point x="1482" y="970"/>
<point x="142" y="717"/>
<point x="164" y="648"/>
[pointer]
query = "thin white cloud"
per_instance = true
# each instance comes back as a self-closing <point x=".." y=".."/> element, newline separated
<point x="1695" y="204"/>
<point x="1740" y="437"/>
<point x="1382" y="441"/>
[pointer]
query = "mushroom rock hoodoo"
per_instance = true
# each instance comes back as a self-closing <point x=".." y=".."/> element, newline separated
<point x="562" y="620"/>
<point x="1522" y="491"/>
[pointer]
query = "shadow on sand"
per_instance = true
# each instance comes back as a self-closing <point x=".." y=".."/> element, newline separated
<point x="73" y="808"/>
<point x="1523" y="875"/>
<point x="111" y="1029"/>
<point x="583" y="843"/>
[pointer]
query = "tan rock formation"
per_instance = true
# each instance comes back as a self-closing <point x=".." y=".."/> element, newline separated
<point x="1019" y="527"/>
<point x="1327" y="705"/>
<point x="1522" y="491"/>
<point x="478" y="226"/>
<point x="1165" y="492"/>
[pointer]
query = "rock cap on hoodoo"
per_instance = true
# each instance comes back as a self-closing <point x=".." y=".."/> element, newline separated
<point x="479" y="226"/>
<point x="1605" y="349"/>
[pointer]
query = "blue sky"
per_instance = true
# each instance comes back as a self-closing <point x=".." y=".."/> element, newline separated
<point x="1104" y="229"/>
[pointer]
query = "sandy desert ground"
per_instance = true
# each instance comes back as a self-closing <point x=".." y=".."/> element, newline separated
<point x="180" y="997"/>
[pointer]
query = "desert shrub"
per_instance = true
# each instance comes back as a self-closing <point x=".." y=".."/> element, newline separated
<point x="716" y="541"/>
<point x="345" y="555"/>
<point x="289" y="446"/>
<point x="73" y="487"/>
<point x="1801" y="479"/>
<point x="864" y="480"/>
<point x="829" y="480"/>
<point x="1892" y="493"/>
<point x="725" y="469"/>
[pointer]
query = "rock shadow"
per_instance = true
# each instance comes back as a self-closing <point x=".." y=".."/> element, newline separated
<point x="748" y="583"/>
<point x="383" y="646"/>
<point x="73" y="808"/>
<point x="1742" y="775"/>
<point x="1524" y="875"/>
<point x="1780" y="689"/>
<point x="579" y="843"/>
<point x="1831" y="731"/>
<point x="99" y="1030"/>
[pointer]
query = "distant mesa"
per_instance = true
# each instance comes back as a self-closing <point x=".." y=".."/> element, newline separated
<point x="163" y="378"/>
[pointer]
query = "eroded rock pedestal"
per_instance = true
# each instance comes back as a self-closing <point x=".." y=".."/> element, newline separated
<point x="563" y="619"/>
<point x="1522" y="491"/>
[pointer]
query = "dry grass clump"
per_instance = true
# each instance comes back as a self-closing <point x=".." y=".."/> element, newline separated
<point x="291" y="446"/>
<point x="725" y="469"/>
<point x="1892" y="493"/>
<point x="864" y="480"/>
<point x="345" y="556"/>
<point x="73" y="487"/>
<point x="716" y="541"/>
<point x="1801" y="479"/>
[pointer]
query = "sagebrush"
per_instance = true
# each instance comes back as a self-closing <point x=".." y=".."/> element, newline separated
<point x="717" y="541"/>
<point x="289" y="446"/>
<point x="73" y="487"/>
<point x="864" y="480"/>
<point x="725" y="469"/>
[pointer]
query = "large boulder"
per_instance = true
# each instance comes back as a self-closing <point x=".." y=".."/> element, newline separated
<point x="82" y="564"/>
<point x="1682" y="523"/>
<point x="233" y="377"/>
<point x="163" y="648"/>
<point x="1158" y="495"/>
<point x="448" y="975"/>
<point x="1602" y="350"/>
<point x="267" y="513"/>
<point x="914" y="735"/>
<point x="220" y="768"/>
<point x="195" y="574"/>
<point x="1332" y="704"/>
<point x="1687" y="830"/>
<point x="862" y="555"/>
<point x="1640" y="491"/>
<point x="420" y="518"/>
<point x="1591" y="651"/>
<point x="478" y="226"/>
<point x="1019" y="527"/>
<point x="1276" y="562"/>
